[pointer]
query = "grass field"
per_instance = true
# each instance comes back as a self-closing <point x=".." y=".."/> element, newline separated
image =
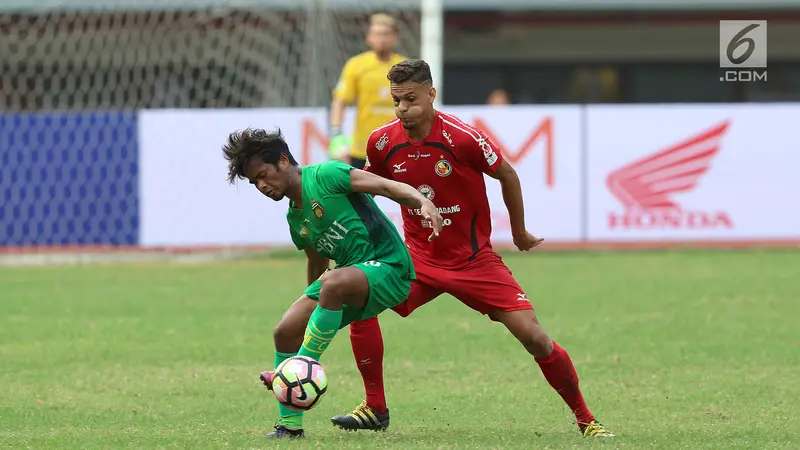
<point x="675" y="350"/>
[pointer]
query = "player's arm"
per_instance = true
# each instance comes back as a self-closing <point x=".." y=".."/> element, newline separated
<point x="343" y="95"/>
<point x="316" y="266"/>
<point x="362" y="181"/>
<point x="485" y="157"/>
<point x="512" y="196"/>
<point x="337" y="178"/>
<point x="481" y="153"/>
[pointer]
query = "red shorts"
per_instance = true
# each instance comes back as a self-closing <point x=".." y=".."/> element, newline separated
<point x="485" y="285"/>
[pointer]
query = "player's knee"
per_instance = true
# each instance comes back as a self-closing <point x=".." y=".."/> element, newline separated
<point x="365" y="324"/>
<point x="526" y="328"/>
<point x="536" y="341"/>
<point x="288" y="336"/>
<point x="335" y="290"/>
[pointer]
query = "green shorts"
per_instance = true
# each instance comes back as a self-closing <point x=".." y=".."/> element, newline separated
<point x="389" y="284"/>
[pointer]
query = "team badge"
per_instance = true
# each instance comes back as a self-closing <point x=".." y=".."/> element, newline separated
<point x="443" y="168"/>
<point x="426" y="191"/>
<point x="317" y="208"/>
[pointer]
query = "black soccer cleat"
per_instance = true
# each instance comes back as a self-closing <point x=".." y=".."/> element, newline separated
<point x="362" y="418"/>
<point x="281" y="432"/>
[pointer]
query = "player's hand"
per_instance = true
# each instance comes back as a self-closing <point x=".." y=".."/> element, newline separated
<point x="431" y="214"/>
<point x="339" y="147"/>
<point x="526" y="241"/>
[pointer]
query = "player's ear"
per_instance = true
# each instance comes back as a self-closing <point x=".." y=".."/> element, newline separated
<point x="368" y="37"/>
<point x="283" y="162"/>
<point x="432" y="94"/>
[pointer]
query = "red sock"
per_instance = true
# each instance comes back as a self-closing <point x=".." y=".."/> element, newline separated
<point x="560" y="373"/>
<point x="367" y="342"/>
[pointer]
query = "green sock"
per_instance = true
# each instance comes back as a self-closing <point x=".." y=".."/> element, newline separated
<point x="288" y="418"/>
<point x="321" y="329"/>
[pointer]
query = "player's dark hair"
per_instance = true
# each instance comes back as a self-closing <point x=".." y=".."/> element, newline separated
<point x="244" y="145"/>
<point x="410" y="70"/>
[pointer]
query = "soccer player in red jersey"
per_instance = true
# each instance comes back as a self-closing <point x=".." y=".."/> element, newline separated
<point x="446" y="159"/>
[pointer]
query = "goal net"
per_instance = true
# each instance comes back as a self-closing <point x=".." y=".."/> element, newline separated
<point x="72" y="79"/>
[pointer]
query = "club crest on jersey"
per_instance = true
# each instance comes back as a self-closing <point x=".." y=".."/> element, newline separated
<point x="426" y="191"/>
<point x="443" y="168"/>
<point x="317" y="208"/>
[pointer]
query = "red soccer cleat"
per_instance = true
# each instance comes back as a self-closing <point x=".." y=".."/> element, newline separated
<point x="266" y="378"/>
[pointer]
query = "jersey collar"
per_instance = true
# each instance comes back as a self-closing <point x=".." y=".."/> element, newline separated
<point x="435" y="129"/>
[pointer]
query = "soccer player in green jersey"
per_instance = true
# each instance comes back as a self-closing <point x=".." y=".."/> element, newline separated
<point x="331" y="216"/>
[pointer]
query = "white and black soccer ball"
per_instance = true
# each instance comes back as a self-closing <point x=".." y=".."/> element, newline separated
<point x="299" y="383"/>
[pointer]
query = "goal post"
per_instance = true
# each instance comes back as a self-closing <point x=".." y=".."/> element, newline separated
<point x="431" y="42"/>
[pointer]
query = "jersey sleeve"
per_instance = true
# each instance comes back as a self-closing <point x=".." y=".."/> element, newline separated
<point x="375" y="160"/>
<point x="333" y="178"/>
<point x="480" y="152"/>
<point x="347" y="86"/>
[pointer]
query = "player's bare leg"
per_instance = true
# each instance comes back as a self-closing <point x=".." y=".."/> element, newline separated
<point x="308" y="327"/>
<point x="555" y="364"/>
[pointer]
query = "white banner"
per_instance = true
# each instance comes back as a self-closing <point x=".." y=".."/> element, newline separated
<point x="544" y="146"/>
<point x="186" y="201"/>
<point x="184" y="196"/>
<point x="693" y="172"/>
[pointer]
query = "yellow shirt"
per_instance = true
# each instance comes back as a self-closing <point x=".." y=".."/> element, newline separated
<point x="364" y="82"/>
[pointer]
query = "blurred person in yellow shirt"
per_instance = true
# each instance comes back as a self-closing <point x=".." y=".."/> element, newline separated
<point x="363" y="82"/>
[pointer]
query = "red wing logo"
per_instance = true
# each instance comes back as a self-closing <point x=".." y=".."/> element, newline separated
<point x="645" y="187"/>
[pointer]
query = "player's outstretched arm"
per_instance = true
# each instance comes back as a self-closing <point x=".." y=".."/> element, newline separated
<point x="362" y="181"/>
<point x="317" y="265"/>
<point x="512" y="197"/>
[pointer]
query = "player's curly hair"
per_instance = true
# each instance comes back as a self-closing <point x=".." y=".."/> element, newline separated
<point x="244" y="145"/>
<point x="410" y="70"/>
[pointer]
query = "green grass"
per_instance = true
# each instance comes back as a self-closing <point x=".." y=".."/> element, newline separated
<point x="675" y="350"/>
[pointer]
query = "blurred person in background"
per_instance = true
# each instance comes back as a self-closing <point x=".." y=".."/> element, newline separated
<point x="498" y="97"/>
<point x="363" y="82"/>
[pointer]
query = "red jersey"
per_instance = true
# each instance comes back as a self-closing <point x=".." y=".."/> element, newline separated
<point x="447" y="167"/>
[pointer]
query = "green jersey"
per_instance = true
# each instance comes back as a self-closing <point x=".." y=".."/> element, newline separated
<point x="345" y="226"/>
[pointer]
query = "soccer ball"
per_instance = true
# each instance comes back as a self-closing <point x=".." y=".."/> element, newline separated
<point x="299" y="383"/>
